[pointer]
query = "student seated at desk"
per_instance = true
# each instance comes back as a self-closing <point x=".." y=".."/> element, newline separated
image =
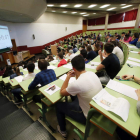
<point x="91" y="54"/>
<point x="111" y="63"/>
<point x="66" y="53"/>
<point x="62" y="61"/>
<point x="17" y="73"/>
<point x="138" y="43"/>
<point x="31" y="74"/>
<point x="122" y="134"/>
<point x="87" y="85"/>
<point x="97" y="48"/>
<point x="71" y="55"/>
<point x="127" y="38"/>
<point x="135" y="37"/>
<point x="84" y="54"/>
<point x="2" y="70"/>
<point x="44" y="77"/>
<point x="8" y="72"/>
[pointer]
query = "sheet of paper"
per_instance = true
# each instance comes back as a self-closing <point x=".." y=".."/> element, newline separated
<point x="134" y="59"/>
<point x="95" y="63"/>
<point x="54" y="61"/>
<point x="121" y="107"/>
<point x="19" y="78"/>
<point x="51" y="67"/>
<point x="133" y="63"/>
<point x="90" y="67"/>
<point x="104" y="99"/>
<point x="37" y="68"/>
<point x="123" y="89"/>
<point x="131" y="46"/>
<point x="69" y="66"/>
<point x="51" y="92"/>
<point x="25" y="69"/>
<point x="133" y="52"/>
<point x="36" y="64"/>
<point x="63" y="77"/>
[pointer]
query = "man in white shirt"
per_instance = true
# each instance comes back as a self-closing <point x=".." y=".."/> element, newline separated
<point x="71" y="55"/>
<point x="86" y="86"/>
<point x="31" y="74"/>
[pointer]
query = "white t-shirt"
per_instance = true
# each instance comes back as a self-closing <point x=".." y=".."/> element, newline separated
<point x="72" y="56"/>
<point x="119" y="54"/>
<point x="28" y="76"/>
<point x="85" y="87"/>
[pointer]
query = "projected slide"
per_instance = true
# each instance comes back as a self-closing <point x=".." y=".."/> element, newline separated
<point x="5" y="40"/>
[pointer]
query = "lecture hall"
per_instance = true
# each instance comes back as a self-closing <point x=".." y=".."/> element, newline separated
<point x="69" y="70"/>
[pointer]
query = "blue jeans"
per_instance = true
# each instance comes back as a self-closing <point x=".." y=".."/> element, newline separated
<point x="71" y="110"/>
<point x="17" y="93"/>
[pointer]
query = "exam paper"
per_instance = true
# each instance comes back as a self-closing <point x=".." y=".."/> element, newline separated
<point x="51" y="67"/>
<point x="63" y="77"/>
<point x="133" y="52"/>
<point x="90" y="67"/>
<point x="25" y="69"/>
<point x="134" y="47"/>
<point x="95" y="63"/>
<point x="133" y="63"/>
<point x="37" y="68"/>
<point x="19" y="78"/>
<point x="119" y="106"/>
<point x="134" y="59"/>
<point x="54" y="61"/>
<point x="51" y="92"/>
<point x="69" y="66"/>
<point x="123" y="89"/>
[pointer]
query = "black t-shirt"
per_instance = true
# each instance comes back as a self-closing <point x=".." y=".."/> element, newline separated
<point x="91" y="55"/>
<point x="112" y="65"/>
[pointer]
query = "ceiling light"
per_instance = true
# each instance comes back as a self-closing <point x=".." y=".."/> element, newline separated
<point x="83" y="13"/>
<point x="64" y="11"/>
<point x="63" y="5"/>
<point x="53" y="11"/>
<point x="86" y="15"/>
<point x="93" y="5"/>
<point x="94" y="13"/>
<point x="106" y="5"/>
<point x="123" y="4"/>
<point x="111" y="8"/>
<point x="50" y="5"/>
<point x="126" y="6"/>
<point x="78" y="5"/>
<point x="73" y="12"/>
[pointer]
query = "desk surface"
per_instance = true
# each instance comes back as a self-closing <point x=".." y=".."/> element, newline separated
<point x="6" y="80"/>
<point x="56" y="96"/>
<point x="0" y="78"/>
<point x="132" y="124"/>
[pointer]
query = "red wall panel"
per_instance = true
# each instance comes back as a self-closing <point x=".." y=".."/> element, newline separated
<point x="115" y="18"/>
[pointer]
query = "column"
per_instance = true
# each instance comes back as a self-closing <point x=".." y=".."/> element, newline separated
<point x="106" y="21"/>
<point x="138" y="18"/>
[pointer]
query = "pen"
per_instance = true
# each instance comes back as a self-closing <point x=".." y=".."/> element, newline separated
<point x="11" y="81"/>
<point x="50" y="87"/>
<point x="123" y="80"/>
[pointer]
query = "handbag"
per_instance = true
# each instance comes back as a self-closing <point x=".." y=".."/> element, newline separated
<point x="103" y="76"/>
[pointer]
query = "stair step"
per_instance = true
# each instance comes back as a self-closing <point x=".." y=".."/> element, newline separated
<point x="34" y="132"/>
<point x="13" y="124"/>
<point x="7" y="109"/>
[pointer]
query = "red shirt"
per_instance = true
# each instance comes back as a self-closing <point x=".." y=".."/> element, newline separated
<point x="62" y="62"/>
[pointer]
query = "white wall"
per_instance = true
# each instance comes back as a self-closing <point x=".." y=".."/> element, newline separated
<point x="49" y="27"/>
<point x="114" y="25"/>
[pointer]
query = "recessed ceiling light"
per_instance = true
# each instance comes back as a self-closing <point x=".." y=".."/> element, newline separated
<point x="123" y="4"/>
<point x="86" y="15"/>
<point x="83" y="13"/>
<point x="53" y="11"/>
<point x="73" y="12"/>
<point x="126" y="6"/>
<point x="78" y="5"/>
<point x="64" y="11"/>
<point x="106" y="5"/>
<point x="111" y="8"/>
<point x="63" y="5"/>
<point x="50" y="5"/>
<point x="92" y="5"/>
<point x="94" y="13"/>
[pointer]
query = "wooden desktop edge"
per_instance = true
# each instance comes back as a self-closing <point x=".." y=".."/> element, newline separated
<point x="114" y="121"/>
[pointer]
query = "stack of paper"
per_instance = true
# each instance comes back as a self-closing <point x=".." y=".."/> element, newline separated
<point x="123" y="89"/>
<point x="51" y="92"/>
<point x="69" y="66"/>
<point x="119" y="106"/>
<point x="134" y="59"/>
<point x="52" y="67"/>
<point x="133" y="52"/>
<point x="63" y="77"/>
<point x="133" y="63"/>
<point x="90" y="67"/>
<point x="19" y="78"/>
<point x="95" y="63"/>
